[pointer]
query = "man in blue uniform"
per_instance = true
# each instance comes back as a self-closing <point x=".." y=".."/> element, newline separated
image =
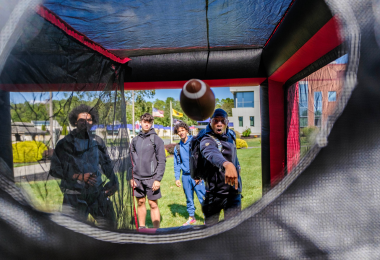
<point x="79" y="160"/>
<point x="181" y="163"/>
<point x="223" y="182"/>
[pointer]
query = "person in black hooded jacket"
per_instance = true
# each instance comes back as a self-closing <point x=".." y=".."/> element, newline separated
<point x="79" y="160"/>
<point x="148" y="162"/>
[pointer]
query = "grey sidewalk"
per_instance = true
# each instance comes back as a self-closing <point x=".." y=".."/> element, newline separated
<point x="42" y="168"/>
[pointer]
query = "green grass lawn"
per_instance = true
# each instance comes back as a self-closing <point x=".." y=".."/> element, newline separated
<point x="48" y="197"/>
<point x="23" y="164"/>
<point x="45" y="195"/>
<point x="254" y="142"/>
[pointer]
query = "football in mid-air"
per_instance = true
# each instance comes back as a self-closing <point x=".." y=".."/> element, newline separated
<point x="197" y="100"/>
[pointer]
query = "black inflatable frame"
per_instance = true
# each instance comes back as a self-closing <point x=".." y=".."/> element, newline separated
<point x="319" y="210"/>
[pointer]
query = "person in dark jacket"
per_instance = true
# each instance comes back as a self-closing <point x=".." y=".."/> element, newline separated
<point x="79" y="160"/>
<point x="148" y="160"/>
<point x="182" y="163"/>
<point x="223" y="182"/>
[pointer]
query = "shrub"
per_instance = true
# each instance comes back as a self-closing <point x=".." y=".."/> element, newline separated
<point x="166" y="153"/>
<point x="43" y="127"/>
<point x="238" y="134"/>
<point x="247" y="132"/>
<point x="170" y="148"/>
<point x="241" y="144"/>
<point x="309" y="134"/>
<point x="28" y="151"/>
<point x="64" y="130"/>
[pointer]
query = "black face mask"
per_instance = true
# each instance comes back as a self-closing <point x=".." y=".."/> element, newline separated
<point x="83" y="125"/>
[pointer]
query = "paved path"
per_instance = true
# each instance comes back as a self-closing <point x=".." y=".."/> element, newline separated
<point x="41" y="170"/>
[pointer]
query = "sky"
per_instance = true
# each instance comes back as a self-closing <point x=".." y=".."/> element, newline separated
<point x="161" y="94"/>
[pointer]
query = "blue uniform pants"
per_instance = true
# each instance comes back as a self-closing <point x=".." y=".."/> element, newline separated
<point x="213" y="205"/>
<point x="189" y="186"/>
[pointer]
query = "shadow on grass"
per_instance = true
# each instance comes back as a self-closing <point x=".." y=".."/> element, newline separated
<point x="182" y="211"/>
<point x="148" y="220"/>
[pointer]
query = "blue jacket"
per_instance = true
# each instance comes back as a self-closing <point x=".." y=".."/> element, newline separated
<point x="215" y="159"/>
<point x="185" y="156"/>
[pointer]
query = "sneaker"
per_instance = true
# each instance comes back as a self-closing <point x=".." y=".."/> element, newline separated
<point x="190" y="221"/>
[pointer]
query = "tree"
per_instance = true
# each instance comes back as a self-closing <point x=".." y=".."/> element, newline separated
<point x="165" y="106"/>
<point x="27" y="112"/>
<point x="218" y="104"/>
<point x="64" y="130"/>
<point x="227" y="104"/>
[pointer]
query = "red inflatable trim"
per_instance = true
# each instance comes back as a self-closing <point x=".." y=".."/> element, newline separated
<point x="277" y="131"/>
<point x="57" y="21"/>
<point x="127" y="85"/>
<point x="54" y="87"/>
<point x="179" y="84"/>
<point x="293" y="125"/>
<point x="325" y="40"/>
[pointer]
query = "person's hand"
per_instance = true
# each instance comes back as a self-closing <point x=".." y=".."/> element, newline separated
<point x="109" y="192"/>
<point x="133" y="183"/>
<point x="156" y="185"/>
<point x="231" y="176"/>
<point x="110" y="189"/>
<point x="91" y="180"/>
<point x="86" y="177"/>
<point x="178" y="183"/>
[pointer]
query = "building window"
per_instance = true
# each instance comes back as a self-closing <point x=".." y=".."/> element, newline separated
<point x="240" y="121"/>
<point x="332" y="96"/>
<point x="303" y="104"/>
<point x="244" y="99"/>
<point x="317" y="108"/>
<point x="252" y="121"/>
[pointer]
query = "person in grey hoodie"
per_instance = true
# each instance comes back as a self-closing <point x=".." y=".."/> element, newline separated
<point x="148" y="162"/>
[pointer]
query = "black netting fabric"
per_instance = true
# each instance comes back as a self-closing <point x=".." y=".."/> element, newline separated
<point x="79" y="155"/>
<point x="70" y="145"/>
<point x="310" y="104"/>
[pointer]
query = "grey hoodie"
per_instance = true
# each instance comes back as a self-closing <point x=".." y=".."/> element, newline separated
<point x="148" y="162"/>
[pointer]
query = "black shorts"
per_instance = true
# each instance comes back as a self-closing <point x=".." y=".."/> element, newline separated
<point x="144" y="188"/>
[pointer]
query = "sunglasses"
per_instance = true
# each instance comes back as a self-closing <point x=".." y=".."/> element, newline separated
<point x="223" y="121"/>
<point x="82" y="120"/>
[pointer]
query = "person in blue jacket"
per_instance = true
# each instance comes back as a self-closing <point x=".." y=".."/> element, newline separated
<point x="181" y="163"/>
<point x="223" y="182"/>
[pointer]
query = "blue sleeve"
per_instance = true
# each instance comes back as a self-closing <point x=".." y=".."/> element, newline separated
<point x="177" y="167"/>
<point x="105" y="162"/>
<point x="209" y="150"/>
<point x="237" y="162"/>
